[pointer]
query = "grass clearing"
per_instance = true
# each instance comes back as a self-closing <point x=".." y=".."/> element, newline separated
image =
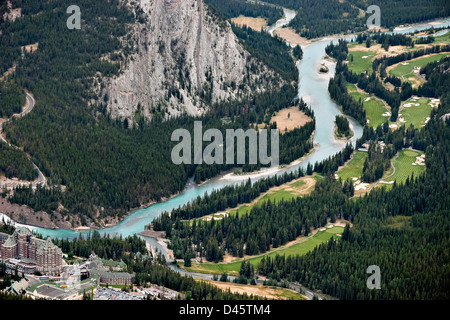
<point x="354" y="167"/>
<point x="399" y="222"/>
<point x="298" y="184"/>
<point x="362" y="61"/>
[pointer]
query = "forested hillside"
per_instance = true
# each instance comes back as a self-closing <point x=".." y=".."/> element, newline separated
<point x="404" y="231"/>
<point x="234" y="8"/>
<point x="109" y="166"/>
<point x="14" y="163"/>
<point x="12" y="98"/>
<point x="319" y="18"/>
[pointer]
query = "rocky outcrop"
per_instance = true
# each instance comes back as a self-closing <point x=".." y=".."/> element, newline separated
<point x="10" y="14"/>
<point x="186" y="59"/>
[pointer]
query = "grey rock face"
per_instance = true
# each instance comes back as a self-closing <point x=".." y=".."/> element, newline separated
<point x="186" y="59"/>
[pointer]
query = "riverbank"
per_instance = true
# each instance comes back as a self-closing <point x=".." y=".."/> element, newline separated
<point x="161" y="240"/>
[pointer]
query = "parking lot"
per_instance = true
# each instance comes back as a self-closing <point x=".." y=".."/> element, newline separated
<point x="116" y="294"/>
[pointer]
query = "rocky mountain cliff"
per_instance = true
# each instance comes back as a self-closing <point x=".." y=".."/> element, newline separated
<point x="186" y="59"/>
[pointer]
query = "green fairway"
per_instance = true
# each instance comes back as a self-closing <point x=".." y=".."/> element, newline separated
<point x="415" y="115"/>
<point x="398" y="222"/>
<point x="299" y="248"/>
<point x="279" y="195"/>
<point x="374" y="107"/>
<point x="445" y="38"/>
<point x="404" y="167"/>
<point x="362" y="61"/>
<point x="275" y="196"/>
<point x="298" y="184"/>
<point x="354" y="167"/>
<point x="405" y="70"/>
<point x="242" y="210"/>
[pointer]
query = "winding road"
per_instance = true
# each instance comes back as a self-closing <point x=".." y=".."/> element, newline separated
<point x="26" y="109"/>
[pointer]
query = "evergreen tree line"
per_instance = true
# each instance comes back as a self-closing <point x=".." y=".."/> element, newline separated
<point x="395" y="81"/>
<point x="384" y="62"/>
<point x="292" y="146"/>
<point x="268" y="225"/>
<point x="12" y="98"/>
<point x="298" y="52"/>
<point x="234" y="8"/>
<point x="377" y="162"/>
<point x="342" y="126"/>
<point x="273" y="51"/>
<point x="438" y="79"/>
<point x="369" y="83"/>
<point x="386" y="39"/>
<point x="14" y="163"/>
<point x="146" y="270"/>
<point x="227" y="197"/>
<point x="319" y="18"/>
<point x="338" y="92"/>
<point x="412" y="255"/>
<point x="106" y="247"/>
<point x="80" y="146"/>
<point x="424" y="40"/>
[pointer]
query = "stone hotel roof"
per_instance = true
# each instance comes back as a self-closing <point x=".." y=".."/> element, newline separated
<point x="10" y="242"/>
<point x="23" y="231"/>
<point x="112" y="275"/>
<point x="46" y="244"/>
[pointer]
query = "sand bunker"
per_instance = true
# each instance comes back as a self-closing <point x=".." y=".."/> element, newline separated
<point x="361" y="186"/>
<point x="420" y="161"/>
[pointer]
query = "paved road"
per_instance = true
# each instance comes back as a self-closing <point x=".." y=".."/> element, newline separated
<point x="27" y="109"/>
